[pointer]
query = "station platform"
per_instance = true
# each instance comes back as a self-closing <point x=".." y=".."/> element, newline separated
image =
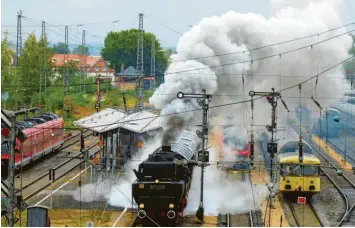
<point x="261" y="176"/>
<point x="331" y="152"/>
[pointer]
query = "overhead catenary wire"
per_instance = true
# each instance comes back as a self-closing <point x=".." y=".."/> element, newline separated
<point x="260" y="58"/>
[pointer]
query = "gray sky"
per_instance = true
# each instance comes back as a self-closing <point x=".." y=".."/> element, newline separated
<point x="176" y="14"/>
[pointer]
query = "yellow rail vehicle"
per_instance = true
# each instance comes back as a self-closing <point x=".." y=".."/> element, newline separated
<point x="299" y="179"/>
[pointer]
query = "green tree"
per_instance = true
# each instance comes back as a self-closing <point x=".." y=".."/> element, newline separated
<point x="10" y="80"/>
<point x="81" y="50"/>
<point x="169" y="51"/>
<point x="35" y="69"/>
<point x="61" y="48"/>
<point x="121" y="47"/>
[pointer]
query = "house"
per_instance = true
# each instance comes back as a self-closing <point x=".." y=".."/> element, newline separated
<point x="93" y="66"/>
<point x="127" y="78"/>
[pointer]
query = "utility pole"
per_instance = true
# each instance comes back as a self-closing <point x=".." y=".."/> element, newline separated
<point x="140" y="69"/>
<point x="152" y="63"/>
<point x="66" y="72"/>
<point x="83" y="69"/>
<point x="10" y="206"/>
<point x="97" y="106"/>
<point x="43" y="57"/>
<point x="203" y="156"/>
<point x="19" y="36"/>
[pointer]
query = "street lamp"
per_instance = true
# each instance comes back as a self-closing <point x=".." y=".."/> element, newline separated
<point x="113" y="24"/>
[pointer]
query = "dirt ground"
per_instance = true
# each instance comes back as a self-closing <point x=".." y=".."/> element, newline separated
<point x="76" y="218"/>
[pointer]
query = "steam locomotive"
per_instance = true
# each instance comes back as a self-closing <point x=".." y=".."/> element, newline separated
<point x="163" y="182"/>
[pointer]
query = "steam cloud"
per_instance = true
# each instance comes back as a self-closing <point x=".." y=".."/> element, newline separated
<point x="222" y="75"/>
<point x="229" y="77"/>
<point x="238" y="33"/>
<point x="118" y="190"/>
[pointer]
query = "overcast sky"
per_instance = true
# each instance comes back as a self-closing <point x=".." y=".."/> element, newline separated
<point x="175" y="14"/>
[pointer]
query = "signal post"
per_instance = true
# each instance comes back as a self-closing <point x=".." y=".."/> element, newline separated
<point x="203" y="155"/>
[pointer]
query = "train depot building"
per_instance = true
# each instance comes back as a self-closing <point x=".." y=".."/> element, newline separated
<point x="121" y="134"/>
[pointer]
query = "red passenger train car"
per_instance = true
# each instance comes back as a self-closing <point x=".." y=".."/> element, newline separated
<point x="44" y="134"/>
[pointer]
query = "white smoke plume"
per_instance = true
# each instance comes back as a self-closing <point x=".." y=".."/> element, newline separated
<point x="222" y="75"/>
<point x="118" y="190"/>
<point x="223" y="195"/>
<point x="235" y="32"/>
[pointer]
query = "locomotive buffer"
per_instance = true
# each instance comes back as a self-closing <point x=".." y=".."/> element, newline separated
<point x="203" y="156"/>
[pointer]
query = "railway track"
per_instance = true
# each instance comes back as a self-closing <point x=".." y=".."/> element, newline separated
<point x="51" y="161"/>
<point x="74" y="139"/>
<point x="344" y="186"/>
<point x="59" y="171"/>
<point x="304" y="215"/>
<point x="249" y="219"/>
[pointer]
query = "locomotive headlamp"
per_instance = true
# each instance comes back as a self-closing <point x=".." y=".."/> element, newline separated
<point x="157" y="181"/>
<point x="141" y="206"/>
<point x="336" y="119"/>
<point x="171" y="206"/>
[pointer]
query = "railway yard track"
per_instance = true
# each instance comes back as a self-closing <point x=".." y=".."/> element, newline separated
<point x="35" y="178"/>
<point x="344" y="185"/>
<point x="304" y="214"/>
<point x="250" y="219"/>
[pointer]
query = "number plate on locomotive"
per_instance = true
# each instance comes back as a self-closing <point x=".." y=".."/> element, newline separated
<point x="157" y="187"/>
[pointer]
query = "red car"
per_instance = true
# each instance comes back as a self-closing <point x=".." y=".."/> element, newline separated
<point x="44" y="134"/>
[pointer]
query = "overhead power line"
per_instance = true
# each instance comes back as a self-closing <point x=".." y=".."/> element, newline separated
<point x="233" y="103"/>
<point x="269" y="45"/>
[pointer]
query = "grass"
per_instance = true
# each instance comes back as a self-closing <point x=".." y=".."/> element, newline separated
<point x="83" y="106"/>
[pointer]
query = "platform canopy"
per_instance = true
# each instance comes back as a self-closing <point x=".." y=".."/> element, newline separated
<point x="108" y="119"/>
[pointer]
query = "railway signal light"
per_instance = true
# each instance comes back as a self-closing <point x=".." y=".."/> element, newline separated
<point x="203" y="156"/>
<point x="272" y="147"/>
<point x="5" y="132"/>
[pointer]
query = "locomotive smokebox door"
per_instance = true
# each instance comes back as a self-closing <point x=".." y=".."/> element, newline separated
<point x="271" y="147"/>
<point x="37" y="217"/>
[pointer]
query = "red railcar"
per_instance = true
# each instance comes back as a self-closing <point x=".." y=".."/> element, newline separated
<point x="41" y="139"/>
<point x="234" y="150"/>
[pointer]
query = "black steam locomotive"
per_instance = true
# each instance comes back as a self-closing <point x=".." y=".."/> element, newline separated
<point x="163" y="182"/>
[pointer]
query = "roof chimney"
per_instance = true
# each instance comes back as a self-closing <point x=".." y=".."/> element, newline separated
<point x="122" y="68"/>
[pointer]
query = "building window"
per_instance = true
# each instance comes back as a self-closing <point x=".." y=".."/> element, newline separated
<point x="104" y="68"/>
<point x="97" y="69"/>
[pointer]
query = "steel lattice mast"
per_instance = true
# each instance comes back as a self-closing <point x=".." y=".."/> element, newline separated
<point x="140" y="70"/>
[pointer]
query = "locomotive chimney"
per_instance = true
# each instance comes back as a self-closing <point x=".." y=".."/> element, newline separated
<point x="166" y="148"/>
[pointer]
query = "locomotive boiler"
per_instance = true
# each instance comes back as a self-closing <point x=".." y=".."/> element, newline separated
<point x="163" y="181"/>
